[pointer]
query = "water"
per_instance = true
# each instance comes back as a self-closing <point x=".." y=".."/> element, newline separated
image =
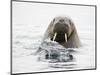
<point x="27" y="40"/>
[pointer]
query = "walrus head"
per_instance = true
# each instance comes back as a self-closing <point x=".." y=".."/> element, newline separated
<point x="62" y="29"/>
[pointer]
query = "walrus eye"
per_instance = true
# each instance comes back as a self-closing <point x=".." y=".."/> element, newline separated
<point x="61" y="20"/>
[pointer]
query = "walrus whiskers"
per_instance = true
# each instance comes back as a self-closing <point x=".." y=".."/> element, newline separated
<point x="55" y="34"/>
<point x="65" y="37"/>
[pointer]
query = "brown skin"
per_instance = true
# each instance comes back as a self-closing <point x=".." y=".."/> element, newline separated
<point x="61" y="26"/>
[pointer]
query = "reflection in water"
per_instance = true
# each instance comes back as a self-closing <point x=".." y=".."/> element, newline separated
<point x="56" y="55"/>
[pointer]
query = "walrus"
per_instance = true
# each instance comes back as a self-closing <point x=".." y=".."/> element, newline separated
<point x="62" y="30"/>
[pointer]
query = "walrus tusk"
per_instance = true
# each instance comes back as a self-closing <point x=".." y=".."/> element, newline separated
<point x="54" y="36"/>
<point x="65" y="37"/>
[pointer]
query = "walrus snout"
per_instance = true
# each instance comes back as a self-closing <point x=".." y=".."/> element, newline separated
<point x="60" y="32"/>
<point x="60" y="28"/>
